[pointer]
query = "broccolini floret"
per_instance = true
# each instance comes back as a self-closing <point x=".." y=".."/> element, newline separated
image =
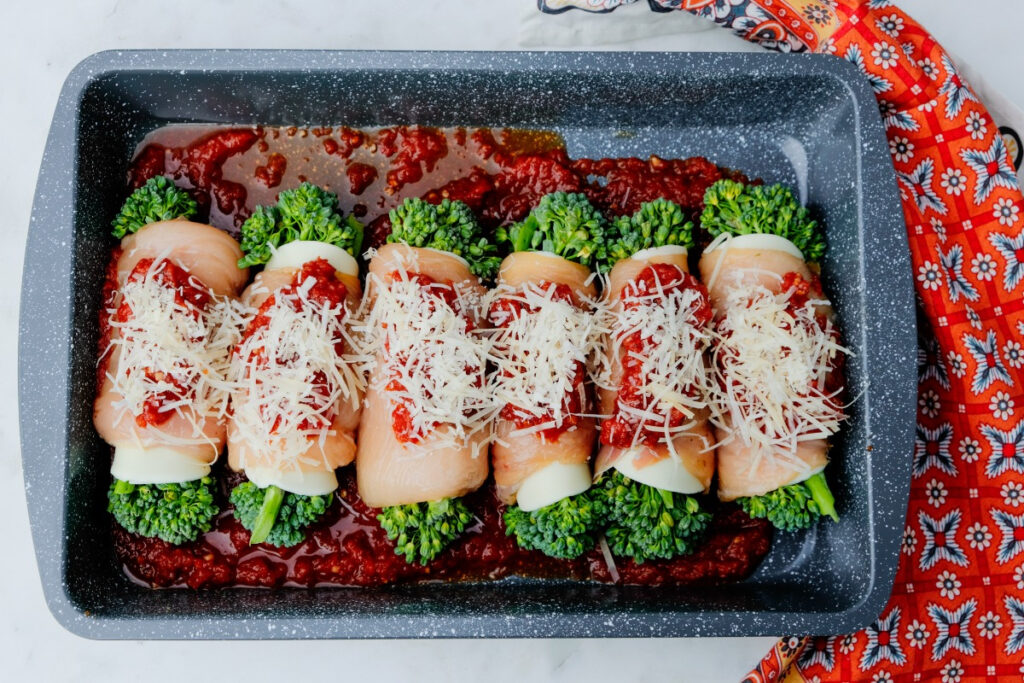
<point x="422" y="530"/>
<point x="176" y="513"/>
<point x="449" y="226"/>
<point x="793" y="507"/>
<point x="307" y="213"/>
<point x="738" y="209"/>
<point x="275" y="516"/>
<point x="646" y="523"/>
<point x="656" y="224"/>
<point x="564" y="224"/>
<point x="157" y="200"/>
<point x="564" y="530"/>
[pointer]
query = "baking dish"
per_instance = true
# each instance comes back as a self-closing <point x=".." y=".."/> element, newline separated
<point x="808" y="121"/>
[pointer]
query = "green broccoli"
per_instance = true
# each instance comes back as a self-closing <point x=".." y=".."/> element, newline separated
<point x="157" y="200"/>
<point x="793" y="507"/>
<point x="448" y="226"/>
<point x="274" y="516"/>
<point x="422" y="530"/>
<point x="647" y="523"/>
<point x="745" y="209"/>
<point x="657" y="224"/>
<point x="564" y="224"/>
<point x="175" y="513"/>
<point x="307" y="212"/>
<point x="565" y="529"/>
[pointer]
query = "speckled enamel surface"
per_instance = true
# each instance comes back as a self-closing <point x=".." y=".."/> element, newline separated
<point x="805" y="120"/>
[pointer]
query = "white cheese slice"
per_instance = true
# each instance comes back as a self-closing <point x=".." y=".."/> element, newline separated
<point x="667" y="474"/>
<point x="156" y="465"/>
<point x="654" y="252"/>
<point x="757" y="241"/>
<point x="804" y="476"/>
<point x="296" y="254"/>
<point x="293" y="480"/>
<point x="553" y="483"/>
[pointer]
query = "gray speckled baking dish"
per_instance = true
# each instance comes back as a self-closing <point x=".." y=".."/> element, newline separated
<point x="805" y="120"/>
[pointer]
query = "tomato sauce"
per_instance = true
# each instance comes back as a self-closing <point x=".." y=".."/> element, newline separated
<point x="360" y="177"/>
<point x="623" y="430"/>
<point x="501" y="174"/>
<point x="200" y="166"/>
<point x="802" y="289"/>
<point x="271" y="173"/>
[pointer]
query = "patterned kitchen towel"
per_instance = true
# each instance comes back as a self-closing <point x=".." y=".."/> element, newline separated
<point x="589" y="28"/>
<point x="634" y="23"/>
<point x="957" y="607"/>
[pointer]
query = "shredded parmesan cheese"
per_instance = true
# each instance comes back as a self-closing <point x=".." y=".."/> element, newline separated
<point x="609" y="559"/>
<point x="771" y="361"/>
<point x="174" y="351"/>
<point x="672" y="360"/>
<point x="290" y="378"/>
<point x="426" y="356"/>
<point x="537" y="353"/>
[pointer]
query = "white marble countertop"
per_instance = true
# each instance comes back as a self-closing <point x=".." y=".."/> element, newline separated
<point x="40" y="42"/>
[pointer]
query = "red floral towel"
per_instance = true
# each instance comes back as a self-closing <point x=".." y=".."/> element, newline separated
<point x="957" y="608"/>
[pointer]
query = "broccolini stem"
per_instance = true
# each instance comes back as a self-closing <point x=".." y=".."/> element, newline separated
<point x="267" y="515"/>
<point x="822" y="496"/>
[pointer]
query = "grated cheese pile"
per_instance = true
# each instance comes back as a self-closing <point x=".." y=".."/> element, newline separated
<point x="412" y="337"/>
<point x="536" y="354"/>
<point x="166" y="347"/>
<point x="672" y="361"/>
<point x="769" y="360"/>
<point x="290" y="378"/>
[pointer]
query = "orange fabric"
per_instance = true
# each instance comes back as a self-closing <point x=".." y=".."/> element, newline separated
<point x="957" y="608"/>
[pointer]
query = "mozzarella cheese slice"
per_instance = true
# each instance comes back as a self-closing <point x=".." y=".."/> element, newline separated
<point x="667" y="474"/>
<point x="756" y="241"/>
<point x="551" y="484"/>
<point x="655" y="252"/>
<point x="304" y="483"/>
<point x="156" y="465"/>
<point x="804" y="476"/>
<point x="296" y="254"/>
